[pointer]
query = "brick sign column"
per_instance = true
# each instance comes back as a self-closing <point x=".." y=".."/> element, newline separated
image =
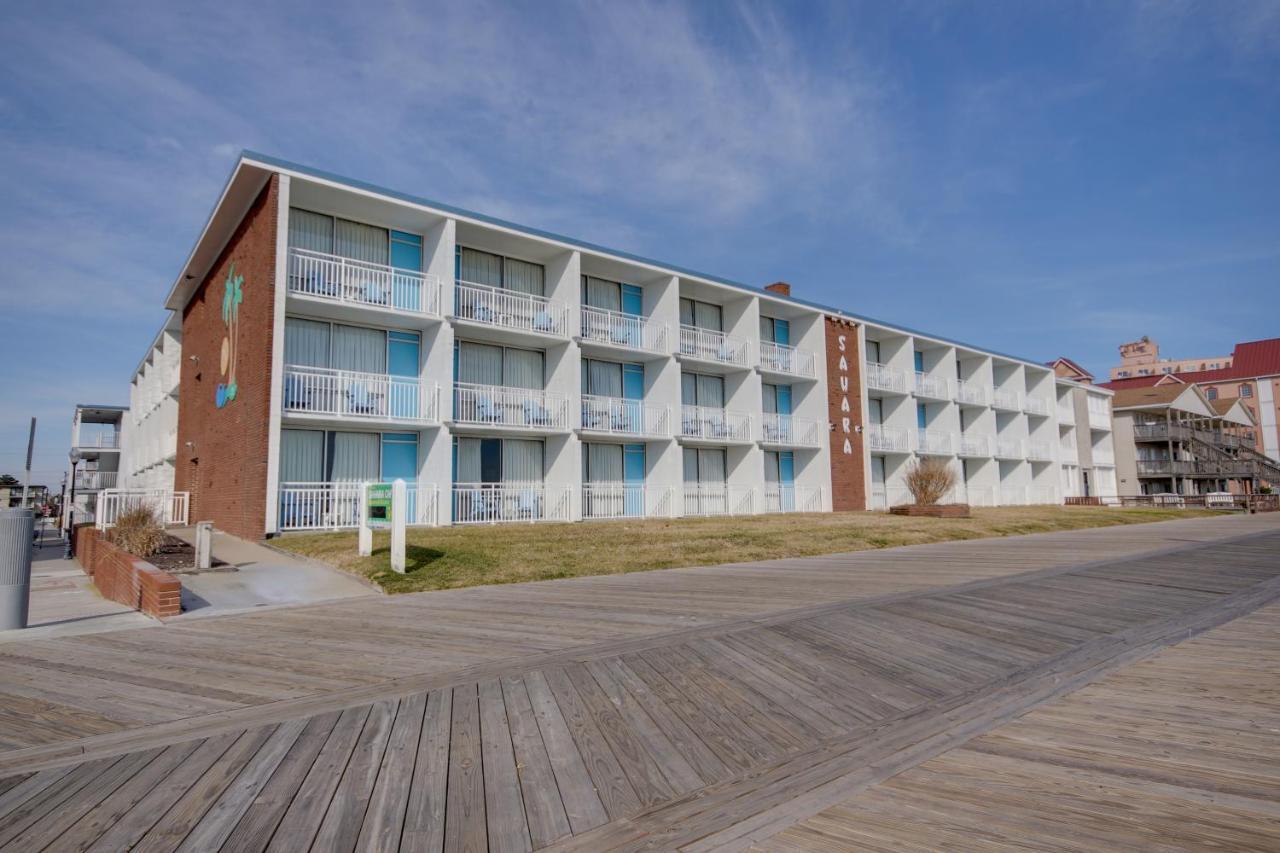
<point x="844" y="407"/>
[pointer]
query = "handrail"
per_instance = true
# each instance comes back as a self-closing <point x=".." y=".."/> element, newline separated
<point x="715" y="424"/>
<point x="510" y="309"/>
<point x="703" y="499"/>
<point x="335" y="278"/>
<point x="617" y="328"/>
<point x="360" y="395"/>
<point x="888" y="439"/>
<point x="502" y="405"/>
<point x="606" y="500"/>
<point x="781" y="358"/>
<point x="710" y="345"/>
<point x="882" y="377"/>
<point x="789" y="430"/>
<point x="493" y="503"/>
<point x="621" y="416"/>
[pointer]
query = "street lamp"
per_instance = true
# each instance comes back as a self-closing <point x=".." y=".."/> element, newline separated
<point x="74" y="456"/>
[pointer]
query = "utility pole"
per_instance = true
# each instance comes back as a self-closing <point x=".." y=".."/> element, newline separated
<point x="26" y="481"/>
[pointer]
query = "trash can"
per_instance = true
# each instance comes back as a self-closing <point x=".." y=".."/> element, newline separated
<point x="17" y="526"/>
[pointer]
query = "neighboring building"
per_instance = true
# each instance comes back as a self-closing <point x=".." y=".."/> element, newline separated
<point x="1253" y="377"/>
<point x="1065" y="368"/>
<point x="1142" y="358"/>
<point x="1170" y="438"/>
<point x="11" y="496"/>
<point x="95" y="436"/>
<point x="333" y="332"/>
<point x="149" y="441"/>
<point x="1086" y="444"/>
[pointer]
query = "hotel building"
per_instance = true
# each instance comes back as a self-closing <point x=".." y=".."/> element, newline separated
<point x="329" y="333"/>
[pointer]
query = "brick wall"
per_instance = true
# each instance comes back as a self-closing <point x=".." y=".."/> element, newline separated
<point x="126" y="579"/>
<point x="225" y="465"/>
<point x="844" y="407"/>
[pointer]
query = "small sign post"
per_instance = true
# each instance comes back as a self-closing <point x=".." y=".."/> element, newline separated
<point x="399" y="504"/>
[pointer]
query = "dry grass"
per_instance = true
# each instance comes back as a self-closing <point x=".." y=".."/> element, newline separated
<point x="449" y="557"/>
<point x="138" y="531"/>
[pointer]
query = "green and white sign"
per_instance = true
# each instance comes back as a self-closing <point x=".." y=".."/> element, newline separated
<point x="378" y="505"/>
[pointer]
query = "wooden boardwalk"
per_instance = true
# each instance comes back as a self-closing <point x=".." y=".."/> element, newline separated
<point x="697" y="709"/>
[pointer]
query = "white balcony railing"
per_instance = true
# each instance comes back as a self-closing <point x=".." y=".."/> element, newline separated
<point x="884" y="439"/>
<point x="91" y="481"/>
<point x="718" y="499"/>
<point x="338" y="279"/>
<point x="509" y="309"/>
<point x="1004" y="399"/>
<point x="788" y="497"/>
<point x="623" y="330"/>
<point x="503" y="406"/>
<point x="974" y="445"/>
<point x="625" y="500"/>
<point x="169" y="507"/>
<point x="1040" y="451"/>
<point x="709" y="345"/>
<point x="780" y="358"/>
<point x="1008" y="448"/>
<point x="360" y="396"/>
<point x="492" y="503"/>
<point x="884" y="378"/>
<point x="105" y="440"/>
<point x="968" y="392"/>
<point x="714" y="424"/>
<point x="789" y="430"/>
<point x="933" y="442"/>
<point x="336" y="506"/>
<point x="1099" y="420"/>
<point x="1066" y="412"/>
<point x="935" y="387"/>
<point x="616" y="416"/>
<point x="879" y="497"/>
<point x="1035" y="405"/>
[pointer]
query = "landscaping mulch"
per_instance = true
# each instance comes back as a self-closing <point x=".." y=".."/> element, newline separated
<point x="178" y="557"/>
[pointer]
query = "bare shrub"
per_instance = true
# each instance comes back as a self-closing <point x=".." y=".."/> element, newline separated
<point x="929" y="479"/>
<point x="138" y="531"/>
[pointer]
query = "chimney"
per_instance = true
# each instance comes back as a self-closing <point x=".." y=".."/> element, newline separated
<point x="779" y="287"/>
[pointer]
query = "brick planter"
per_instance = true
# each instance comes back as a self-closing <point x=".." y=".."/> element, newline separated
<point x="126" y="579"/>
<point x="934" y="511"/>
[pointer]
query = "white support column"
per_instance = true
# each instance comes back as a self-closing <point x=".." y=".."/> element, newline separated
<point x="281" y="284"/>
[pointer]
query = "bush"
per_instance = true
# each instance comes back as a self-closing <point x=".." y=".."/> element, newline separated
<point x="929" y="479"/>
<point x="138" y="531"/>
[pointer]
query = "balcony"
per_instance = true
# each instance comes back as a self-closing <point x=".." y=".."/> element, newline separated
<point x="336" y="506"/>
<point x="350" y="395"/>
<point x="500" y="406"/>
<point x="788" y="361"/>
<point x="616" y="416"/>
<point x="495" y="503"/>
<point x="881" y="377"/>
<point x="1068" y="452"/>
<point x="788" y="497"/>
<point x="1161" y="432"/>
<point x="498" y="308"/>
<point x="706" y="499"/>
<point x="334" y="279"/>
<point x="712" y="347"/>
<point x="1066" y="412"/>
<point x="601" y="501"/>
<point x="970" y="393"/>
<point x="975" y="445"/>
<point x="789" y="431"/>
<point x="883" y="439"/>
<point x="1007" y="400"/>
<point x="715" y="426"/>
<point x="623" y="331"/>
<point x="92" y="481"/>
<point x="98" y="441"/>
<point x="1039" y="451"/>
<point x="931" y="442"/>
<point x="1035" y="406"/>
<point x="1099" y="420"/>
<point x="1008" y="448"/>
<point x="1164" y="468"/>
<point x="932" y="387"/>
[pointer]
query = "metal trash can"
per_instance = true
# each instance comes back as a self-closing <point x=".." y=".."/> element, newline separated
<point x="17" y="528"/>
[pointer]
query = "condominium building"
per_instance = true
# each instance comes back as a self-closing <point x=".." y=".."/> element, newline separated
<point x="1142" y="358"/>
<point x="335" y="333"/>
<point x="95" y="445"/>
<point x="149" y="437"/>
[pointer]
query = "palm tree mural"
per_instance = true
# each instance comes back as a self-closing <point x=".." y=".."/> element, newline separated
<point x="232" y="296"/>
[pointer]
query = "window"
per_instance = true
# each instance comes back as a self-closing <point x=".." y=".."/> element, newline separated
<point x="773" y="330"/>
<point x="919" y="362"/>
<point x="1211" y="393"/>
<point x="699" y="389"/>
<point x="488" y="364"/>
<point x="704" y="465"/>
<point x="922" y="415"/>
<point x="873" y="352"/>
<point x="776" y="399"/>
<point x="330" y="235"/>
<point x="315" y="456"/>
<point x="1246" y="390"/>
<point x="611" y="379"/>
<point x="476" y="267"/>
<point x="497" y="460"/>
<point x="612" y="295"/>
<point x="701" y="315"/>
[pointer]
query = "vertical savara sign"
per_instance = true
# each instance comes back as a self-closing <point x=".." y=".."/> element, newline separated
<point x="844" y="404"/>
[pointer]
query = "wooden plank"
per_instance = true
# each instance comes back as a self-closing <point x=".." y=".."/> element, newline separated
<point x="544" y="809"/>
<point x="464" y="826"/>
<point x="384" y="820"/>
<point x="52" y="797"/>
<point x="503" y="800"/>
<point x="340" y="828"/>
<point x="582" y="802"/>
<point x="424" y="818"/>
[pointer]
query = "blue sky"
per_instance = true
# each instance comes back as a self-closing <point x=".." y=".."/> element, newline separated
<point x="955" y="167"/>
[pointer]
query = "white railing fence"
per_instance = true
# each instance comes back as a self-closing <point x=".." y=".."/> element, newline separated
<point x="789" y="430"/>
<point x="91" y="480"/>
<point x="702" y="499"/>
<point x="625" y="500"/>
<point x="1035" y="405"/>
<point x="1008" y="448"/>
<point x="336" y="506"/>
<point x="781" y="358"/>
<point x="106" y="440"/>
<point x="888" y="439"/>
<point x="341" y="279"/>
<point x="1040" y="451"/>
<point x="623" y="330"/>
<point x="492" y="503"/>
<point x="710" y="345"/>
<point x="714" y="424"/>
<point x="509" y="309"/>
<point x="933" y="442"/>
<point x="968" y="392"/>
<point x="169" y="506"/>
<point x="624" y="417"/>
<point x="788" y="497"/>
<point x="1004" y="399"/>
<point x="975" y="445"/>
<point x="932" y="386"/>
<point x="885" y="378"/>
<point x="500" y="405"/>
<point x="354" y="394"/>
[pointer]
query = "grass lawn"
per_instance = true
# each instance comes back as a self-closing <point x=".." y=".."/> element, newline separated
<point x="449" y="557"/>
